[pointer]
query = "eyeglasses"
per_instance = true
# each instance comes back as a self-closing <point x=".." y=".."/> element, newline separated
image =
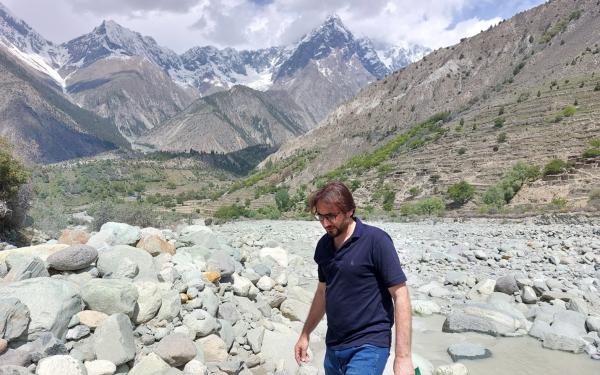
<point x="329" y="217"/>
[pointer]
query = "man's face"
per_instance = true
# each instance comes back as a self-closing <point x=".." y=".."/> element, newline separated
<point x="334" y="221"/>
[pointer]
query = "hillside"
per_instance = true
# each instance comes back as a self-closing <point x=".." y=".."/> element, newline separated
<point x="42" y="124"/>
<point x="525" y="90"/>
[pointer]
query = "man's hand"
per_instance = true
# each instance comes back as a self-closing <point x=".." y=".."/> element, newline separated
<point x="301" y="350"/>
<point x="403" y="366"/>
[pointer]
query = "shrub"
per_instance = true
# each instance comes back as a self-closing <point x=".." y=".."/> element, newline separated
<point x="591" y="153"/>
<point x="282" y="200"/>
<point x="388" y="200"/>
<point x="594" y="199"/>
<point x="425" y="207"/>
<point x="498" y="122"/>
<point x="501" y="111"/>
<point x="501" y="138"/>
<point x="597" y="87"/>
<point x="14" y="193"/>
<point x="231" y="212"/>
<point x="569" y="111"/>
<point x="554" y="167"/>
<point x="501" y="193"/>
<point x="461" y="192"/>
<point x="462" y="150"/>
<point x="132" y="213"/>
<point x="558" y="202"/>
<point x="414" y="191"/>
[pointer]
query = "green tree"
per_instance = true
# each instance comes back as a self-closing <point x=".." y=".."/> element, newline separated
<point x="282" y="199"/>
<point x="14" y="202"/>
<point x="461" y="192"/>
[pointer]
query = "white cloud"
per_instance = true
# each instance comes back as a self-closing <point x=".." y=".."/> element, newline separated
<point x="181" y="24"/>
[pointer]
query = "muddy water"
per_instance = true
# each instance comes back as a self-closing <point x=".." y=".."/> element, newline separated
<point x="510" y="355"/>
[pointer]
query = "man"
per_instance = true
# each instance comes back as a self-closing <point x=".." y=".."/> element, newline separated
<point x="362" y="288"/>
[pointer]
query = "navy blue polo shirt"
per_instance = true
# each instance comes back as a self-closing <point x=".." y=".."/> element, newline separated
<point x="358" y="304"/>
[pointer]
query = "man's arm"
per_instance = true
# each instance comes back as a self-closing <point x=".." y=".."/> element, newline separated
<point x="317" y="310"/>
<point x="403" y="321"/>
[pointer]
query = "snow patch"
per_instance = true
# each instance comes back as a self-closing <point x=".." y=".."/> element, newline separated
<point x="38" y="63"/>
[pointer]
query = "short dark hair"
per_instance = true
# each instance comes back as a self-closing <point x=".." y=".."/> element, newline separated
<point x="335" y="193"/>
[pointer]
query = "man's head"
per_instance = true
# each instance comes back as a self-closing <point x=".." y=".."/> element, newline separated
<point x="334" y="207"/>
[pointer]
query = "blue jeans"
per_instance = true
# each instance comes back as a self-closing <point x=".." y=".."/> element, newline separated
<point x="361" y="360"/>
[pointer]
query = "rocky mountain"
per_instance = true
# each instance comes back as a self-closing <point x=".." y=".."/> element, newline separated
<point x="131" y="91"/>
<point x="112" y="40"/>
<point x="128" y="78"/>
<point x="43" y="125"/>
<point x="396" y="57"/>
<point x="230" y="121"/>
<point x="524" y="90"/>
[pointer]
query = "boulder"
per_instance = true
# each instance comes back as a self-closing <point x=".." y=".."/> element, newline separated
<point x="294" y="309"/>
<point x="265" y="283"/>
<point x="566" y="332"/>
<point x="222" y="263"/>
<point x="51" y="302"/>
<point x="14" y="370"/>
<point x="170" y="306"/>
<point x="155" y="245"/>
<point x="425" y="307"/>
<point x="113" y="340"/>
<point x="229" y="312"/>
<point x="241" y="285"/>
<point x="112" y="234"/>
<point x="507" y="284"/>
<point x="199" y="235"/>
<point x="74" y="237"/>
<point x="60" y="364"/>
<point x="41" y="251"/>
<point x="214" y="348"/>
<point x="121" y="261"/>
<point x="25" y="267"/>
<point x="110" y="296"/>
<point x="200" y="323"/>
<point x="148" y="302"/>
<point x="277" y="254"/>
<point x="149" y="365"/>
<point x="255" y="339"/>
<point x="592" y="324"/>
<point x="176" y="349"/>
<point x="44" y="346"/>
<point x="195" y="367"/>
<point x="487" y="318"/>
<point x="465" y="350"/>
<point x="74" y="257"/>
<point x="14" y="318"/>
<point x="100" y="367"/>
<point x="91" y="318"/>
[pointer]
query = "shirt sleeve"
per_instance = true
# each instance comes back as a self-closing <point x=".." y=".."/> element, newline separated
<point x="321" y="274"/>
<point x="386" y="261"/>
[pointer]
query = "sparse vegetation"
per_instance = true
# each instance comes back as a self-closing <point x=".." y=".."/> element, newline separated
<point x="554" y="167"/>
<point x="14" y="196"/>
<point x="501" y="138"/>
<point x="433" y="206"/>
<point x="498" y="122"/>
<point x="501" y="193"/>
<point x="594" y="149"/>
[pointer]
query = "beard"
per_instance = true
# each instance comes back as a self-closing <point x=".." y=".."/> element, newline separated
<point x="337" y="230"/>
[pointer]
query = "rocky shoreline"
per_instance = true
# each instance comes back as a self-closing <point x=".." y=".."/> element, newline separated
<point x="231" y="299"/>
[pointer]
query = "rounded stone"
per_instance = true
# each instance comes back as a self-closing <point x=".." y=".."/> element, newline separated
<point x="100" y="367"/>
<point x="60" y="364"/>
<point x="91" y="318"/>
<point x="176" y="349"/>
<point x="73" y="258"/>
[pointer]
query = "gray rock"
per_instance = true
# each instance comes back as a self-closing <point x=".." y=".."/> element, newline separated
<point x="222" y="263"/>
<point x="201" y="323"/>
<point x="195" y="367"/>
<point x="578" y="305"/>
<point x="44" y="346"/>
<point x="227" y="333"/>
<point x="14" y="370"/>
<point x="148" y="302"/>
<point x="170" y="305"/>
<point x="456" y="278"/>
<point x="229" y="312"/>
<point x="113" y="340"/>
<point x="176" y="350"/>
<point x="14" y="357"/>
<point x="210" y="301"/>
<point x="118" y="261"/>
<point x="51" y="302"/>
<point x="110" y="296"/>
<point x="214" y="348"/>
<point x="255" y="339"/>
<point x="528" y="295"/>
<point x="78" y="332"/>
<point x="592" y="323"/>
<point x="507" y="284"/>
<point x="294" y="309"/>
<point x="14" y="318"/>
<point x="199" y="235"/>
<point x="60" y="364"/>
<point x="112" y="234"/>
<point x="148" y="365"/>
<point x="539" y="329"/>
<point x="25" y="267"/>
<point x="466" y="350"/>
<point x="75" y="257"/>
<point x="425" y="307"/>
<point x="494" y="319"/>
<point x="566" y="332"/>
<point x="100" y="367"/>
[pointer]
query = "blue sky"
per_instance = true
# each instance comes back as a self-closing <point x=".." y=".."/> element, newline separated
<point x="181" y="24"/>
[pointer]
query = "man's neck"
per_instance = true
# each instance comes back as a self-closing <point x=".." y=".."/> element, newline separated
<point x="343" y="237"/>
